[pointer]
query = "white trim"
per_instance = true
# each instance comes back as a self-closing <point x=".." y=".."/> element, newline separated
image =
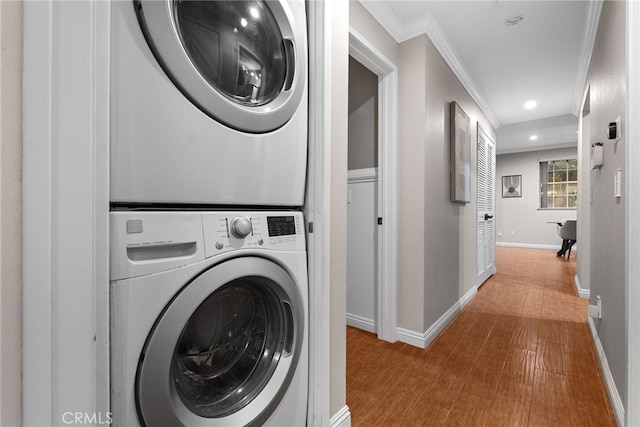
<point x="527" y="245"/>
<point x="545" y="147"/>
<point x="317" y="208"/>
<point x="362" y="175"/>
<point x="66" y="206"/>
<point x="427" y="25"/>
<point x="440" y="41"/>
<point x="422" y="340"/>
<point x="360" y="322"/>
<point x="369" y="56"/>
<point x="589" y="41"/>
<point x="632" y="183"/>
<point x="385" y="17"/>
<point x="555" y="158"/>
<point x="342" y="418"/>
<point x="582" y="293"/>
<point x="614" y="396"/>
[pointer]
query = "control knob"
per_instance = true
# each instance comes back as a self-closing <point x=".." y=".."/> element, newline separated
<point x="241" y="226"/>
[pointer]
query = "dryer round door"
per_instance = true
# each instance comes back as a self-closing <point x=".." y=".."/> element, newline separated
<point x="242" y="63"/>
<point x="224" y="351"/>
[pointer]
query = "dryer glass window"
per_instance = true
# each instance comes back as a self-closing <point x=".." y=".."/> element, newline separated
<point x="236" y="46"/>
<point x="230" y="347"/>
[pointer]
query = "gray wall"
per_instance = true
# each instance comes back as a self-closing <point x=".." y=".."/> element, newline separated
<point x="412" y="115"/>
<point x="522" y="215"/>
<point x="363" y="116"/>
<point x="11" y="214"/>
<point x="436" y="238"/>
<point x="607" y="82"/>
<point x="450" y="228"/>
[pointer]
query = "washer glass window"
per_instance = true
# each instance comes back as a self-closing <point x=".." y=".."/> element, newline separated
<point x="236" y="46"/>
<point x="229" y="348"/>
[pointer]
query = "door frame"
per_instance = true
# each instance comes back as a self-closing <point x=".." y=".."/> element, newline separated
<point x="387" y="206"/>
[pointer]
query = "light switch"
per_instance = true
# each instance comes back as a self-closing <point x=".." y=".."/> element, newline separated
<point x="617" y="183"/>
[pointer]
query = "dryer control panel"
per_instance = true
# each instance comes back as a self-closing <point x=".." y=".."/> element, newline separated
<point x="226" y="231"/>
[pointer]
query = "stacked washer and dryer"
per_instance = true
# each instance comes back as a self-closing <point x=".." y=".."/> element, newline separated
<point x="208" y="278"/>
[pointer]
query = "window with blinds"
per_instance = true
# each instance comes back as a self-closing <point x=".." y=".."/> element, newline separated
<point x="559" y="184"/>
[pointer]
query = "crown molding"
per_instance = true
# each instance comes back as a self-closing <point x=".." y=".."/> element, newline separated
<point x="439" y="40"/>
<point x="591" y="30"/>
<point x="382" y="13"/>
<point x="427" y="25"/>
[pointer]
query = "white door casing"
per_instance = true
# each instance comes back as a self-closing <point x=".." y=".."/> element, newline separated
<point x="369" y="56"/>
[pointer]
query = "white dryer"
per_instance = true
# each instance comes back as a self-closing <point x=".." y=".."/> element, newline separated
<point x="208" y="102"/>
<point x="208" y="319"/>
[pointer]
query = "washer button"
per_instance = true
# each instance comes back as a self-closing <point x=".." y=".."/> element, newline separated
<point x="260" y="241"/>
<point x="219" y="245"/>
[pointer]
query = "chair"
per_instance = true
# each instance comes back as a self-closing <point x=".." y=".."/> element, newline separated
<point x="568" y="233"/>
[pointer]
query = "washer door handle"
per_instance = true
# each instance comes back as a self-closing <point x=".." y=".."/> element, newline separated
<point x="290" y="329"/>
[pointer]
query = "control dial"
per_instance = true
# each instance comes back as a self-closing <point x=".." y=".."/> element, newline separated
<point x="240" y="226"/>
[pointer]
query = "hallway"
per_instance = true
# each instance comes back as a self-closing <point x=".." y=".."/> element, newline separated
<point x="519" y="354"/>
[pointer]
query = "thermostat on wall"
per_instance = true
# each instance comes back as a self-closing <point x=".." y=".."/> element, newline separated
<point x="614" y="130"/>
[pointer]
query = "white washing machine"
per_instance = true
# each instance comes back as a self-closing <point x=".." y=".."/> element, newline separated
<point x="208" y="102"/>
<point x="208" y="319"/>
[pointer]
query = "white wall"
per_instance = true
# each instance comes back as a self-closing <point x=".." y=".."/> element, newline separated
<point x="361" y="249"/>
<point x="522" y="216"/>
<point x="10" y="213"/>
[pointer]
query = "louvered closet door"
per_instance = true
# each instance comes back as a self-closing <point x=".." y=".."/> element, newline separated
<point x="486" y="244"/>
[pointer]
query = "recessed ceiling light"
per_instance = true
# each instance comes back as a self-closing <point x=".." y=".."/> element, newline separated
<point x="514" y="20"/>
<point x="533" y="137"/>
<point x="530" y="105"/>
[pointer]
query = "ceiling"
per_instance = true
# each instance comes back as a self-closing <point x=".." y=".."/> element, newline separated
<point x="544" y="57"/>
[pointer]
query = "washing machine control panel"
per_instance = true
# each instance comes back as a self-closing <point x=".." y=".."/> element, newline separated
<point x="227" y="231"/>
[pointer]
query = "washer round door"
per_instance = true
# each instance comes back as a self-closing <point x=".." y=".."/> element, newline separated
<point x="224" y="351"/>
<point x="242" y="63"/>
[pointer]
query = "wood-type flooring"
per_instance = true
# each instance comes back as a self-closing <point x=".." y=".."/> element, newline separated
<point x="519" y="354"/>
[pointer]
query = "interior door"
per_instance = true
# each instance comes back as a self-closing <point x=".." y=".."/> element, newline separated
<point x="486" y="244"/>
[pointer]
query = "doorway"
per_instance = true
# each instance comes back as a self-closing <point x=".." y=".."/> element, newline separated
<point x="385" y="202"/>
<point x="362" y="195"/>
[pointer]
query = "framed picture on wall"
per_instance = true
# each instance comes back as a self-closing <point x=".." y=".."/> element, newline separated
<point x="460" y="142"/>
<point x="512" y="186"/>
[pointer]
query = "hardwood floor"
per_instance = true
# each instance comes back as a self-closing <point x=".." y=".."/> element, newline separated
<point x="519" y="354"/>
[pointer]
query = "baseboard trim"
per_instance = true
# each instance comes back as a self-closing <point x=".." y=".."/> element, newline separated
<point x="583" y="293"/>
<point x="363" y="323"/>
<point x="528" y="245"/>
<point x="423" y="339"/>
<point x="614" y="396"/>
<point x="342" y="418"/>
